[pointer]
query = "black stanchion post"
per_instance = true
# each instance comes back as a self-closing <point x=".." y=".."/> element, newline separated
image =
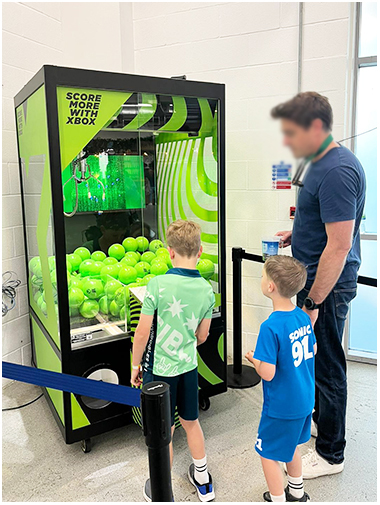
<point x="156" y="418"/>
<point x="237" y="253"/>
<point x="239" y="375"/>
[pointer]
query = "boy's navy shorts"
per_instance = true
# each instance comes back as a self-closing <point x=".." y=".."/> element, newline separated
<point x="183" y="393"/>
<point x="277" y="439"/>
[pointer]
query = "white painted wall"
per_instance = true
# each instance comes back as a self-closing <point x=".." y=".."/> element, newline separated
<point x="35" y="34"/>
<point x="251" y="47"/>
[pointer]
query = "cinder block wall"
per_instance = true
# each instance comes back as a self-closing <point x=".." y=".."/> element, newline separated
<point x="31" y="36"/>
<point x="251" y="46"/>
<point x="35" y="34"/>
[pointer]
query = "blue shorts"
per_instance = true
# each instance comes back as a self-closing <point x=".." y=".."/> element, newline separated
<point x="277" y="439"/>
<point x="183" y="393"/>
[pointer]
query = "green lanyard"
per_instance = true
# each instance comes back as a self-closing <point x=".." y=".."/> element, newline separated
<point x="301" y="168"/>
<point x="324" y="145"/>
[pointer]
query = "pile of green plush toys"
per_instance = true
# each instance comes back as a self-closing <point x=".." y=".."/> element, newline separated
<point x="99" y="284"/>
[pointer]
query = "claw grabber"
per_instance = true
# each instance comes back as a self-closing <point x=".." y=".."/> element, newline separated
<point x="79" y="165"/>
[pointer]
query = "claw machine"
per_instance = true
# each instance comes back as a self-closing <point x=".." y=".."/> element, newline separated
<point x="107" y="161"/>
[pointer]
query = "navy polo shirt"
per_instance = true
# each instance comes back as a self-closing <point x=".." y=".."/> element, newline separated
<point x="333" y="190"/>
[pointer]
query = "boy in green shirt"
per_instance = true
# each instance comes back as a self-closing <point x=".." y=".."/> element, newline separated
<point x="183" y="302"/>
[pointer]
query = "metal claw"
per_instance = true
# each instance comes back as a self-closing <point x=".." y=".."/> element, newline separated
<point x="84" y="167"/>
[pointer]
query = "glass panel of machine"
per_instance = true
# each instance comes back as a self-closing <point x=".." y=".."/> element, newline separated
<point x="153" y="161"/>
<point x="35" y="173"/>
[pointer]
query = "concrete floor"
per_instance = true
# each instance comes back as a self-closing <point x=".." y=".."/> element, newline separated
<point x="38" y="466"/>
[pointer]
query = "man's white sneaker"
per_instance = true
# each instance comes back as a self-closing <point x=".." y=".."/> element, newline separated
<point x="314" y="429"/>
<point x="313" y="466"/>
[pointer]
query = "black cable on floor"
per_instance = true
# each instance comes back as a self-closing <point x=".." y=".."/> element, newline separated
<point x="25" y="404"/>
<point x="9" y="291"/>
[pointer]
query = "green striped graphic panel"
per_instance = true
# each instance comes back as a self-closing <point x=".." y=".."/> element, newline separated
<point x="152" y="107"/>
<point x="179" y="115"/>
<point x="187" y="187"/>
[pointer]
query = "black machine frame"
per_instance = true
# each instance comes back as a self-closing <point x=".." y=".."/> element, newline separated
<point x="52" y="77"/>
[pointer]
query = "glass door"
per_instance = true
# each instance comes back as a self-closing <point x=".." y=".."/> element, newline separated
<point x="150" y="160"/>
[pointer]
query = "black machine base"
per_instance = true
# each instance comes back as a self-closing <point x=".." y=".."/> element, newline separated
<point x="247" y="379"/>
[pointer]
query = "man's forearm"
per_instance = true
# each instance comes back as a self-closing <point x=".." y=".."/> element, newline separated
<point x="330" y="267"/>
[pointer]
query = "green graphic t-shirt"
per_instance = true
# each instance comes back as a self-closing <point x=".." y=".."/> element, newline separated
<point x="182" y="298"/>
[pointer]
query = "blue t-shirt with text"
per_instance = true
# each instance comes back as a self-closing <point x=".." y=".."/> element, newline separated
<point x="333" y="191"/>
<point x="286" y="340"/>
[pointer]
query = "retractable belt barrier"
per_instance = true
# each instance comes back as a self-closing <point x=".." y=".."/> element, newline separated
<point x="72" y="384"/>
<point x="154" y="399"/>
<point x="239" y="375"/>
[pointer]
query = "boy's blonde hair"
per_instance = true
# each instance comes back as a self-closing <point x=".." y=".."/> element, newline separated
<point x="287" y="273"/>
<point x="184" y="237"/>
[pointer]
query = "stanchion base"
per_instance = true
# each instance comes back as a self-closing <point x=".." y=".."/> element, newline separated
<point x="247" y="379"/>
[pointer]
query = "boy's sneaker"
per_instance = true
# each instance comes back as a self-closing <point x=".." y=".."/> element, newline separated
<point x="147" y="491"/>
<point x="205" y="491"/>
<point x="313" y="466"/>
<point x="314" y="429"/>
<point x="288" y="496"/>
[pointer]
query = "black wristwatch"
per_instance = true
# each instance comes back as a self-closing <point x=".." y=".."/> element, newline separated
<point x="310" y="304"/>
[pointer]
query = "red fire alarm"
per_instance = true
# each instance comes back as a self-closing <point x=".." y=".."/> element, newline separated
<point x="292" y="212"/>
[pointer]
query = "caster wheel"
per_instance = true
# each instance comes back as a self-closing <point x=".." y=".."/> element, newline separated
<point x="204" y="402"/>
<point x="86" y="445"/>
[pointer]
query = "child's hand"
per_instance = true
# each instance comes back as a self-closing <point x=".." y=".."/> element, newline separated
<point x="136" y="378"/>
<point x="249" y="356"/>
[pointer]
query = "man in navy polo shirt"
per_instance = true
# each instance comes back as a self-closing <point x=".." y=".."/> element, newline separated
<point x="326" y="238"/>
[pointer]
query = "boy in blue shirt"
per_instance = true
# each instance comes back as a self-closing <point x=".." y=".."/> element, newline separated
<point x="284" y="358"/>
